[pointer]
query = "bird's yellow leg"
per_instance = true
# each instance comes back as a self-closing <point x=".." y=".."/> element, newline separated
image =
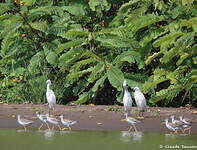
<point x="40" y="126"/>
<point x="48" y="126"/>
<point x="53" y="127"/>
<point x="130" y="129"/>
<point x="25" y="128"/>
<point x="69" y="128"/>
<point x="135" y="128"/>
<point x="189" y="130"/>
<point x="183" y="131"/>
<point x="176" y="131"/>
<point x="59" y="127"/>
<point x="64" y="128"/>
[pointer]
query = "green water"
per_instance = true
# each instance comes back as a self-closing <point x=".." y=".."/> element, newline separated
<point x="92" y="140"/>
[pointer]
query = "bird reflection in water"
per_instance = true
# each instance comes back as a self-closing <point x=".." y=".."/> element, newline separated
<point x="49" y="134"/>
<point x="127" y="136"/>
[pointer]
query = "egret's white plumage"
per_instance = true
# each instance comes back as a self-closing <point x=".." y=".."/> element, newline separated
<point x="127" y="100"/>
<point x="23" y="122"/>
<point x="50" y="95"/>
<point x="67" y="122"/>
<point x="53" y="121"/>
<point x="43" y="119"/>
<point x="140" y="100"/>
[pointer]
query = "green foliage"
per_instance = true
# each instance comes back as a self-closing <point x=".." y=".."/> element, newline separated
<point x="85" y="46"/>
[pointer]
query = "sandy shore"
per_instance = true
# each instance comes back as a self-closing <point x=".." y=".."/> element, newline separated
<point x="99" y="118"/>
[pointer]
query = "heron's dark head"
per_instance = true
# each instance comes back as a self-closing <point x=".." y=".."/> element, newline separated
<point x="125" y="85"/>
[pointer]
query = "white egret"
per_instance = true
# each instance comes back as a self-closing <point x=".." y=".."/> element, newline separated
<point x="53" y="121"/>
<point x="43" y="119"/>
<point x="140" y="101"/>
<point x="67" y="122"/>
<point x="132" y="121"/>
<point x="127" y="100"/>
<point x="23" y="122"/>
<point x="50" y="95"/>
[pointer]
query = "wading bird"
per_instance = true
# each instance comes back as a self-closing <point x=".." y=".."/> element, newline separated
<point x="53" y="121"/>
<point x="43" y="119"/>
<point x="127" y="100"/>
<point x="131" y="121"/>
<point x="51" y="99"/>
<point x="171" y="126"/>
<point x="140" y="101"/>
<point x="187" y="124"/>
<point x="23" y="122"/>
<point x="66" y="122"/>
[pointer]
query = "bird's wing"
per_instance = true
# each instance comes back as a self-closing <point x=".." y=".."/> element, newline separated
<point x="26" y="121"/>
<point x="133" y="119"/>
<point x="54" y="119"/>
<point x="51" y="97"/>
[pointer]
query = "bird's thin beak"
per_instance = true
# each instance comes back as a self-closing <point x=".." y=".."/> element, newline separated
<point x="163" y="122"/>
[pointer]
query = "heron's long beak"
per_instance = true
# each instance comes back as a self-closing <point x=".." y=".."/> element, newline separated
<point x="163" y="122"/>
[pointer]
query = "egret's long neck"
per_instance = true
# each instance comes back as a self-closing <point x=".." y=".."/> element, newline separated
<point x="126" y="90"/>
<point x="48" y="87"/>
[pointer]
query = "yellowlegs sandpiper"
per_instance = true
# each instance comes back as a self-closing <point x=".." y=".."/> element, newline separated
<point x="187" y="124"/>
<point x="172" y="126"/>
<point x="66" y="122"/>
<point x="53" y="121"/>
<point x="132" y="121"/>
<point x="43" y="119"/>
<point x="140" y="101"/>
<point x="50" y="95"/>
<point x="23" y="122"/>
<point x="127" y="100"/>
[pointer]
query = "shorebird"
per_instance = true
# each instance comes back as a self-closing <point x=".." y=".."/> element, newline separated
<point x="127" y="100"/>
<point x="171" y="126"/>
<point x="187" y="124"/>
<point x="132" y="121"/>
<point x="140" y="101"/>
<point x="66" y="122"/>
<point x="179" y="123"/>
<point x="50" y="95"/>
<point x="43" y="119"/>
<point x="53" y="121"/>
<point x="23" y="122"/>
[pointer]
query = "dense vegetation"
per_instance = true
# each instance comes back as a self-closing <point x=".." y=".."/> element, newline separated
<point x="88" y="47"/>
